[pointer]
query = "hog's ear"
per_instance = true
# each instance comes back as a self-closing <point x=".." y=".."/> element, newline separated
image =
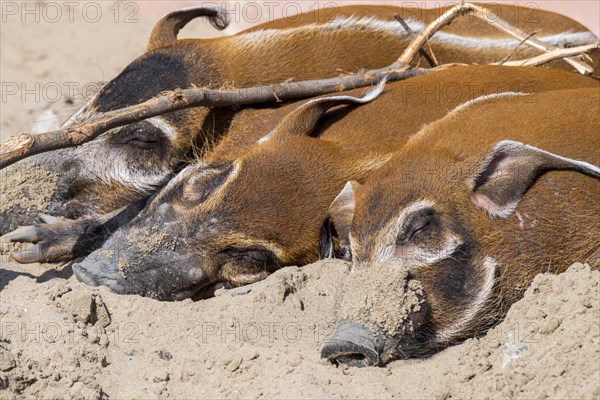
<point x="166" y="29"/>
<point x="335" y="232"/>
<point x="303" y="119"/>
<point x="509" y="170"/>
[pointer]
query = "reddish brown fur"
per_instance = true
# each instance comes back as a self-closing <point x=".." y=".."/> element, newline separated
<point x="376" y="129"/>
<point x="242" y="60"/>
<point x="385" y="125"/>
<point x="528" y="19"/>
<point x="280" y="193"/>
<point x="554" y="225"/>
<point x="525" y="18"/>
<point x="402" y="110"/>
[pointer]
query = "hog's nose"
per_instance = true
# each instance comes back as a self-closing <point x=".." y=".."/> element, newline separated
<point x="96" y="270"/>
<point x="352" y="344"/>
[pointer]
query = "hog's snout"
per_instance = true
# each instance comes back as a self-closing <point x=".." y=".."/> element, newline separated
<point x="353" y="344"/>
<point x="98" y="271"/>
<point x="135" y="265"/>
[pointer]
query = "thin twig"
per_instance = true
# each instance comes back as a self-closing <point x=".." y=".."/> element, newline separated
<point x="422" y="52"/>
<point x="552" y="56"/>
<point x="26" y="145"/>
<point x="513" y="51"/>
<point x="435" y="61"/>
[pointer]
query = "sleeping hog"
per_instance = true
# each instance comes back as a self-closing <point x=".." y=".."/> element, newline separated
<point x="473" y="207"/>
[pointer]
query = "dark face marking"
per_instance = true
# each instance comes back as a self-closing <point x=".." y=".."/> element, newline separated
<point x="435" y="240"/>
<point x="143" y="79"/>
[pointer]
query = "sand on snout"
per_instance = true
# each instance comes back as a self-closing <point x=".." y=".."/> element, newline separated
<point x="381" y="297"/>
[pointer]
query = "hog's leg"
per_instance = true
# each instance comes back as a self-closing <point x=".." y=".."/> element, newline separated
<point x="60" y="239"/>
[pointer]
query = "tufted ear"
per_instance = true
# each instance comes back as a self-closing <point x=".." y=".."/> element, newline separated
<point x="303" y="119"/>
<point x="509" y="170"/>
<point x="166" y="29"/>
<point x="334" y="239"/>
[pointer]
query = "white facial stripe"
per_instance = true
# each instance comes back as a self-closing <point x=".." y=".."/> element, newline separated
<point x="117" y="171"/>
<point x="489" y="270"/>
<point x="165" y="126"/>
<point x="389" y="236"/>
<point x="371" y="24"/>
<point x="424" y="257"/>
<point x="275" y="249"/>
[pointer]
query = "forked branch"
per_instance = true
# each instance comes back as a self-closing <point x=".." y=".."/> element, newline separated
<point x="492" y="19"/>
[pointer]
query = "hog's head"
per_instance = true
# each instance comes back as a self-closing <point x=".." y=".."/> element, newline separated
<point x="231" y="221"/>
<point x="130" y="163"/>
<point x="435" y="221"/>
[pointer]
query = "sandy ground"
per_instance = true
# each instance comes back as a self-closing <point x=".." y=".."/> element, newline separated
<point x="61" y="339"/>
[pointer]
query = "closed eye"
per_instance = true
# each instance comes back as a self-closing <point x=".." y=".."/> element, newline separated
<point x="416" y="226"/>
<point x="257" y="255"/>
<point x="254" y="256"/>
<point x="142" y="143"/>
<point x="418" y="229"/>
<point x="140" y="135"/>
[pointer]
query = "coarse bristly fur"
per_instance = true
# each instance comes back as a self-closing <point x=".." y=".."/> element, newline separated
<point x="241" y="213"/>
<point x="538" y="152"/>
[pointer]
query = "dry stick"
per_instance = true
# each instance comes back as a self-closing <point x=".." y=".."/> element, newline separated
<point x="492" y="19"/>
<point x="27" y="145"/>
<point x="584" y="56"/>
<point x="435" y="61"/>
<point x="513" y="51"/>
<point x="552" y="56"/>
<point x="422" y="52"/>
